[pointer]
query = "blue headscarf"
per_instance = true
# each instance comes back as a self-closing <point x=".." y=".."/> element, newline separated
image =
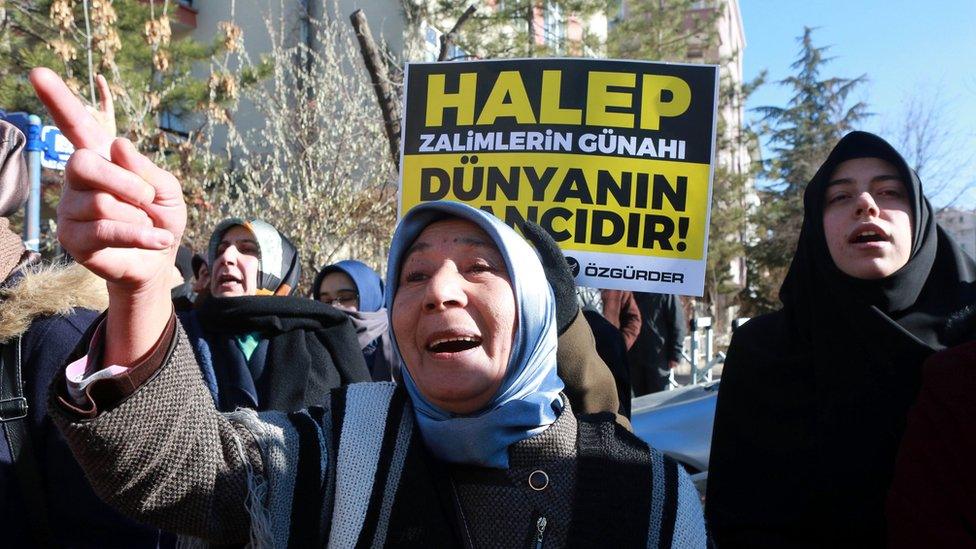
<point x="528" y="399"/>
<point x="369" y="286"/>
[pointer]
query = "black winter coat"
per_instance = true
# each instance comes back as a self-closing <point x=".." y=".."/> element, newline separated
<point x="76" y="517"/>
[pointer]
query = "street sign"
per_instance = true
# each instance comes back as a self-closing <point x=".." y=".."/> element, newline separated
<point x="52" y="143"/>
<point x="46" y="147"/>
<point x="57" y="148"/>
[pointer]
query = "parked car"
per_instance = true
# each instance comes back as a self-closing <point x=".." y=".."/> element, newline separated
<point x="679" y="423"/>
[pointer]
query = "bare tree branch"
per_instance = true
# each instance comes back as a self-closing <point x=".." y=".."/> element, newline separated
<point x="448" y="39"/>
<point x="933" y="146"/>
<point x="317" y="163"/>
<point x="381" y="82"/>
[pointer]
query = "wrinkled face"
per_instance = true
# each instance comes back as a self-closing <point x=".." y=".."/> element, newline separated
<point x="235" y="269"/>
<point x="339" y="290"/>
<point x="867" y="218"/>
<point x="454" y="315"/>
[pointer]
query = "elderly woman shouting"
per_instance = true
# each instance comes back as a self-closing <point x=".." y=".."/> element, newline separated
<point x="477" y="447"/>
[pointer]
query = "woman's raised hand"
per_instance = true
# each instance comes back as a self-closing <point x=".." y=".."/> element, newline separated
<point x="120" y="216"/>
<point x="105" y="113"/>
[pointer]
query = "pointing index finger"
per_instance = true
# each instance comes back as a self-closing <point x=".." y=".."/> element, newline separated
<point x="68" y="112"/>
<point x="105" y="101"/>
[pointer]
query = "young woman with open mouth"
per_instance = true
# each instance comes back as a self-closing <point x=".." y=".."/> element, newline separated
<point x="814" y="396"/>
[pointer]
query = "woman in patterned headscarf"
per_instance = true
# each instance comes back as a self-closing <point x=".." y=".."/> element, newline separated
<point x="260" y="347"/>
<point x="274" y="265"/>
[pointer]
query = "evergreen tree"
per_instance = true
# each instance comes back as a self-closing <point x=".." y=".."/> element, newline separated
<point x="799" y="138"/>
<point x="731" y="185"/>
<point x="130" y="42"/>
<point x="159" y="104"/>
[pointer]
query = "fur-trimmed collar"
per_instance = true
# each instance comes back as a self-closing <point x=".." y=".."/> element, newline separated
<point x="44" y="290"/>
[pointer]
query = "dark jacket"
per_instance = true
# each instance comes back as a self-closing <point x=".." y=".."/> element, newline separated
<point x="932" y="501"/>
<point x="661" y="336"/>
<point x="305" y="349"/>
<point x="50" y="322"/>
<point x="612" y="350"/>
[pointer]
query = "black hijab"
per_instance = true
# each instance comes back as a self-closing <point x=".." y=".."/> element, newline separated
<point x="814" y="397"/>
<point x="814" y="286"/>
<point x="307" y="349"/>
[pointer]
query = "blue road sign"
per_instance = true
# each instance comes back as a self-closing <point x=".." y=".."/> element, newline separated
<point x="54" y="146"/>
<point x="57" y="148"/>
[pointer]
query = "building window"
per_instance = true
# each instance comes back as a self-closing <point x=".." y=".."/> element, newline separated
<point x="554" y="27"/>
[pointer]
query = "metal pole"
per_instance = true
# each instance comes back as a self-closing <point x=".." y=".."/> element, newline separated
<point x="709" y="352"/>
<point x="701" y="339"/>
<point x="694" y="350"/>
<point x="32" y="215"/>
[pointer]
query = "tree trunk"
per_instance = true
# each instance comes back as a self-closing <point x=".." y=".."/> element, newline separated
<point x="380" y="77"/>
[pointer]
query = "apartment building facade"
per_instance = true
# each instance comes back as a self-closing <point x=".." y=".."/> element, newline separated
<point x="961" y="224"/>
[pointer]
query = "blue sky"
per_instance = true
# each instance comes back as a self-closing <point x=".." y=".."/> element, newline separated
<point x="906" y="48"/>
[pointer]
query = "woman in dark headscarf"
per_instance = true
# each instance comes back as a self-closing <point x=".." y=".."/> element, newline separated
<point x="352" y="287"/>
<point x="258" y="346"/>
<point x="814" y="396"/>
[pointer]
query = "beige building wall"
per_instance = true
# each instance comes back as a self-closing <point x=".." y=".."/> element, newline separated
<point x="740" y="157"/>
<point x="386" y="20"/>
<point x="251" y="17"/>
<point x="288" y="18"/>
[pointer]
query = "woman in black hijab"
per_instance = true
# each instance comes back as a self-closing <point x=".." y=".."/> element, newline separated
<point x="814" y="396"/>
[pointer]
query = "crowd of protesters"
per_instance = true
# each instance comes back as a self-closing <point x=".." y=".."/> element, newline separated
<point x="472" y="396"/>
